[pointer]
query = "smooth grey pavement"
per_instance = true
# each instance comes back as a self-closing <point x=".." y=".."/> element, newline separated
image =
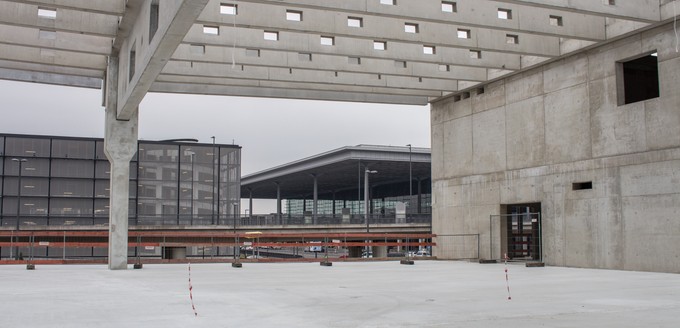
<point x="376" y="294"/>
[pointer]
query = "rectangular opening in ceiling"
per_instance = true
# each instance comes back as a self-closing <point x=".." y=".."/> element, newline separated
<point x="582" y="185"/>
<point x="49" y="13"/>
<point x="271" y="35"/>
<point x="429" y="50"/>
<point x="504" y="13"/>
<point x="556" y="20"/>
<point x="305" y="56"/>
<point x="389" y="2"/>
<point x="355" y="22"/>
<point x="327" y="40"/>
<point x="212" y="30"/>
<point x="463" y="33"/>
<point x="354" y="60"/>
<point x="294" y="15"/>
<point x="228" y="9"/>
<point x="379" y="45"/>
<point x="400" y="63"/>
<point x="637" y="79"/>
<point x="197" y="49"/>
<point x="411" y="28"/>
<point x="449" y="7"/>
<point x="253" y="52"/>
<point x="48" y="35"/>
<point x="444" y="68"/>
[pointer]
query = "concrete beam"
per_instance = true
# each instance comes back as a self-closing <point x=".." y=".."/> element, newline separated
<point x="50" y="78"/>
<point x="144" y="53"/>
<point x="108" y="7"/>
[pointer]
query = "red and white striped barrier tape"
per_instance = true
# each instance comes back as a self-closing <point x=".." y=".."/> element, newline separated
<point x="507" y="282"/>
<point x="191" y="296"/>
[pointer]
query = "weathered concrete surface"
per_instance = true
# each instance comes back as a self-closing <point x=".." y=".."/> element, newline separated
<point x="379" y="294"/>
<point x="562" y="124"/>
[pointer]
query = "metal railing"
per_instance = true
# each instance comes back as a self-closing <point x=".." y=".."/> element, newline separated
<point x="32" y="221"/>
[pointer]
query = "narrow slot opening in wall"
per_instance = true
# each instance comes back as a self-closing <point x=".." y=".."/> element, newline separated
<point x="133" y="57"/>
<point x="48" y="13"/>
<point x="153" y="19"/>
<point x="637" y="79"/>
<point x="582" y="185"/>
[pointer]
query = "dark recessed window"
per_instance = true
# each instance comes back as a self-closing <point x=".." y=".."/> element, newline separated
<point x="640" y="79"/>
<point x="582" y="185"/>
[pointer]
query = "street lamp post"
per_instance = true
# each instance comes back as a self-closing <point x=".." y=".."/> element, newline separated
<point x="366" y="203"/>
<point x="212" y="200"/>
<point x="21" y="162"/>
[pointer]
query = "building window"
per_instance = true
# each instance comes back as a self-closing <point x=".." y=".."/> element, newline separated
<point x="511" y="39"/>
<point x="294" y="15"/>
<point x="582" y="185"/>
<point x="212" y="30"/>
<point x="411" y="28"/>
<point x="504" y="13"/>
<point x="475" y="54"/>
<point x="388" y="2"/>
<point x="47" y="13"/>
<point x="354" y="60"/>
<point x="638" y="79"/>
<point x="253" y="52"/>
<point x="609" y="2"/>
<point x="153" y="19"/>
<point x="271" y="35"/>
<point x="449" y="7"/>
<point x="400" y="64"/>
<point x="379" y="45"/>
<point x="355" y="22"/>
<point x="444" y="68"/>
<point x="327" y="40"/>
<point x="463" y="33"/>
<point x="429" y="50"/>
<point x="228" y="9"/>
<point x="556" y="20"/>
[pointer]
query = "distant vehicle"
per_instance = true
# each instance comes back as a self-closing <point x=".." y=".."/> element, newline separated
<point x="365" y="256"/>
<point x="422" y="252"/>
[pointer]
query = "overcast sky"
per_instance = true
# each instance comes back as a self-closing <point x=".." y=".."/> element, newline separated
<point x="271" y="131"/>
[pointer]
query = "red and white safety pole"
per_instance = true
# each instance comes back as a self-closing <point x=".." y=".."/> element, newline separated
<point x="507" y="282"/>
<point x="191" y="296"/>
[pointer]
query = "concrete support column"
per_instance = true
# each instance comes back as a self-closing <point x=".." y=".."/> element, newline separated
<point x="278" y="201"/>
<point x="379" y="251"/>
<point x="120" y="145"/>
<point x="250" y="204"/>
<point x="420" y="196"/>
<point x="334" y="204"/>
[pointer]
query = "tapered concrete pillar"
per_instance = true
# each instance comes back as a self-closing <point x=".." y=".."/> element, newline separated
<point x="120" y="145"/>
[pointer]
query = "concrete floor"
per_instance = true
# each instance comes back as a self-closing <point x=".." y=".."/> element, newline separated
<point x="377" y="294"/>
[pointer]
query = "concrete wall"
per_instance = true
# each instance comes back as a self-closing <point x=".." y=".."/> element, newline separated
<point x="529" y="137"/>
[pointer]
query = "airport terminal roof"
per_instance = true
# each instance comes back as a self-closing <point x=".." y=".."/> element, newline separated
<point x="340" y="170"/>
<point x="401" y="52"/>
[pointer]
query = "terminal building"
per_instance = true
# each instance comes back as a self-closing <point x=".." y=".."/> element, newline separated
<point x="331" y="187"/>
<point x="59" y="182"/>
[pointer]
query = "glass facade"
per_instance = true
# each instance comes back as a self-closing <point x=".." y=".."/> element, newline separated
<point x="65" y="181"/>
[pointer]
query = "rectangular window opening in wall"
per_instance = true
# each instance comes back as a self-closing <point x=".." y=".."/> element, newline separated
<point x="480" y="91"/>
<point x="253" y="52"/>
<point x="379" y="45"/>
<point x="400" y="63"/>
<point x="228" y="9"/>
<point x="212" y="30"/>
<point x="294" y="15"/>
<point x="456" y="98"/>
<point x="327" y="40"/>
<point x="354" y="60"/>
<point x="444" y="68"/>
<point x="476" y="54"/>
<point x="49" y="13"/>
<point x="637" y="79"/>
<point x="449" y="7"/>
<point x="271" y="35"/>
<point x="582" y="185"/>
<point x="411" y="28"/>
<point x="153" y="19"/>
<point x="609" y="2"/>
<point x="511" y="39"/>
<point x="504" y="13"/>
<point x="131" y="60"/>
<point x="556" y="20"/>
<point x="429" y="50"/>
<point x="355" y="22"/>
<point x="465" y="95"/>
<point x="389" y="2"/>
<point x="463" y="33"/>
